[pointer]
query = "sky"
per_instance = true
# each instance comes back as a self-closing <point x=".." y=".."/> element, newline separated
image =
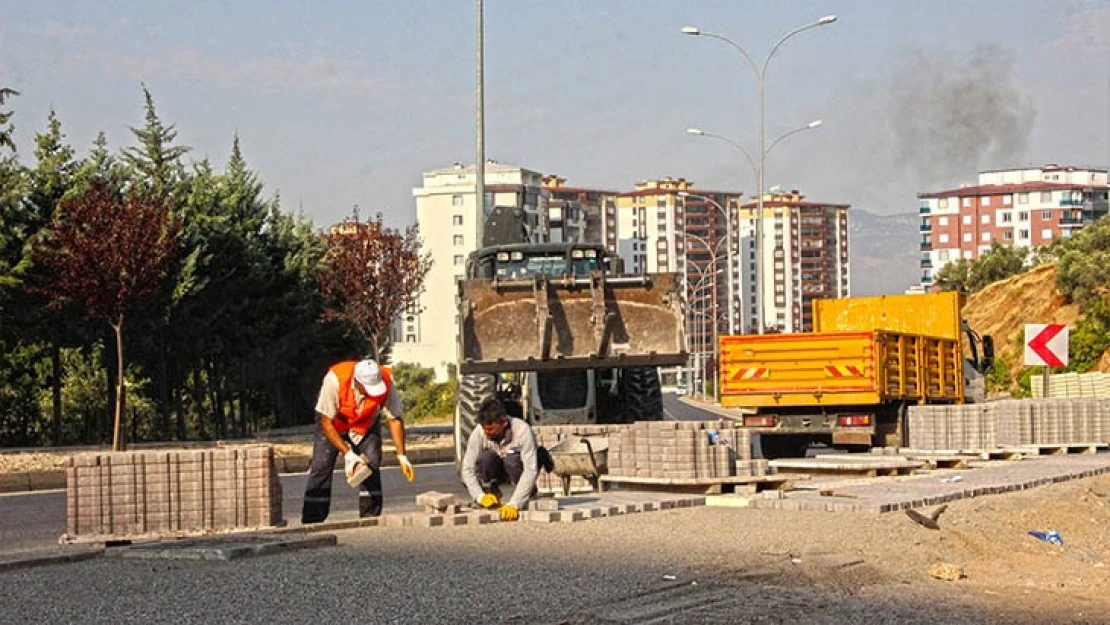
<point x="344" y="103"/>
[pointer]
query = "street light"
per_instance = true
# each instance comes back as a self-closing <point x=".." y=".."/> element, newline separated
<point x="714" y="268"/>
<point x="728" y="238"/>
<point x="761" y="75"/>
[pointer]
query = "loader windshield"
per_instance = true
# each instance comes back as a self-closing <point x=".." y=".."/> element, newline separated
<point x="517" y="266"/>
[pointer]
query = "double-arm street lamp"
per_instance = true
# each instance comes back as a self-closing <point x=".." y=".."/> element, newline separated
<point x="761" y="75"/>
<point x="728" y="238"/>
<point x="710" y="272"/>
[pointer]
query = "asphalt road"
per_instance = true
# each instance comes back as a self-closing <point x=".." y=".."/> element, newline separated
<point x="35" y="520"/>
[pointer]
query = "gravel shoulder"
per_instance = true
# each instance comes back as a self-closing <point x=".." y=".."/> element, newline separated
<point x="749" y="565"/>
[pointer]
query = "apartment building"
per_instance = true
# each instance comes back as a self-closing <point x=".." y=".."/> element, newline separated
<point x="667" y="225"/>
<point x="1028" y="207"/>
<point x="449" y="218"/>
<point x="580" y="215"/>
<point x="804" y="257"/>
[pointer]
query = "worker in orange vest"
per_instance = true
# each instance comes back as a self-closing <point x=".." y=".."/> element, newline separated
<point x="352" y="398"/>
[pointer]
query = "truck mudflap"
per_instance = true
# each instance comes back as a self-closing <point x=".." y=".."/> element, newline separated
<point x="544" y="323"/>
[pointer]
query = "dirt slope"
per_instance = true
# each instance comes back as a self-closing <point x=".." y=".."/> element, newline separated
<point x="1003" y="308"/>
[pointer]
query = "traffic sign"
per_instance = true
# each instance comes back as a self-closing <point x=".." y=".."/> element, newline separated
<point x="1046" y="344"/>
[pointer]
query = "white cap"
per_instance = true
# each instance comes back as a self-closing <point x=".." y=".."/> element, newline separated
<point x="369" y="374"/>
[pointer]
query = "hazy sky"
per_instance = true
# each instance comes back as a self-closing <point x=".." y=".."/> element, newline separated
<point x="345" y="102"/>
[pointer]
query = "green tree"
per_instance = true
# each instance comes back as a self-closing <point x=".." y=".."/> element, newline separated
<point x="5" y="119"/>
<point x="955" y="276"/>
<point x="156" y="161"/>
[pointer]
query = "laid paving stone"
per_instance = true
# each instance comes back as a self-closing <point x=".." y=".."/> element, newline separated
<point x="542" y="516"/>
<point x="60" y="555"/>
<point x="222" y="547"/>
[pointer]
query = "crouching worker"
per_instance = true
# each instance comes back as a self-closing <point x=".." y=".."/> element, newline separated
<point x="348" y="421"/>
<point x="502" y="450"/>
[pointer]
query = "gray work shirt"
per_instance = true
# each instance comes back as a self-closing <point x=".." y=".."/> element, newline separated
<point x="521" y="441"/>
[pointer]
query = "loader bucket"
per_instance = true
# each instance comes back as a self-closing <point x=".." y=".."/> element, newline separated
<point x="547" y="323"/>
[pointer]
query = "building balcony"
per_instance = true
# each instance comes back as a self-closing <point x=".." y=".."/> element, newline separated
<point x="1071" y="202"/>
<point x="926" y="263"/>
<point x="924" y="209"/>
<point x="926" y="226"/>
<point x="927" y="279"/>
<point x="926" y="246"/>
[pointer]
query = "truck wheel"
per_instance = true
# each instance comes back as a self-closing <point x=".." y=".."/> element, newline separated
<point x="474" y="389"/>
<point x="643" y="395"/>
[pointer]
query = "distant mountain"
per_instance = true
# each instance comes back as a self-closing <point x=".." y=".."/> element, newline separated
<point x="884" y="252"/>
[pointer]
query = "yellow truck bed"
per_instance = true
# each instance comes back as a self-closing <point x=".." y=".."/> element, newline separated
<point x="926" y="314"/>
<point x="838" y="369"/>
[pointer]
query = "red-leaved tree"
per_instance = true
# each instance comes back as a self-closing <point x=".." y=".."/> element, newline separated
<point x="108" y="251"/>
<point x="371" y="274"/>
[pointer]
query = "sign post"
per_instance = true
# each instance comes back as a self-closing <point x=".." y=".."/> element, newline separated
<point x="1046" y="345"/>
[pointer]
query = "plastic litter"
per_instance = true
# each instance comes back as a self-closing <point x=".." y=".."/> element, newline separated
<point x="954" y="478"/>
<point x="669" y="578"/>
<point x="1051" y="536"/>
<point x="796" y="560"/>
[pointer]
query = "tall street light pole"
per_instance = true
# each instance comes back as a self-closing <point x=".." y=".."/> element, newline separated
<point x="761" y="75"/>
<point x="714" y="268"/>
<point x="480" y="122"/>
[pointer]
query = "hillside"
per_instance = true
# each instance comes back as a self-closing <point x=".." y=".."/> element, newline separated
<point x="1003" y="308"/>
<point x="884" y="251"/>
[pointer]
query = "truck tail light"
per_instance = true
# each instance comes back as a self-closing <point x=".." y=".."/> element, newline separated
<point x="759" y="421"/>
<point x="854" y="420"/>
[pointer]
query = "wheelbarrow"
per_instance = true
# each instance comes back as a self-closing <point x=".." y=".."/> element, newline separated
<point x="588" y="458"/>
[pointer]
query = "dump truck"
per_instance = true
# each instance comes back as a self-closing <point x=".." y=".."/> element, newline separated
<point x="850" y="380"/>
<point x="560" y="333"/>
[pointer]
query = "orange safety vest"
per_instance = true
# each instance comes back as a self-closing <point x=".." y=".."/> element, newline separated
<point x="354" y="415"/>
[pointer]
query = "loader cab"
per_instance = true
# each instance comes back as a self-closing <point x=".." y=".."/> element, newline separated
<point x="525" y="260"/>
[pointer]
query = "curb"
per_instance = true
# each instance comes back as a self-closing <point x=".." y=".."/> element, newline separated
<point x="29" y="559"/>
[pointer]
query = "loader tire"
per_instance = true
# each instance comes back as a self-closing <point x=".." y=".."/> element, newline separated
<point x="643" y="395"/>
<point x="474" y="389"/>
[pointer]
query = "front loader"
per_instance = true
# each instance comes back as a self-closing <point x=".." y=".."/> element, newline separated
<point x="560" y="338"/>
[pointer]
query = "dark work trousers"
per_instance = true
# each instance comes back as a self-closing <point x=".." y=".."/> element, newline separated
<point x="493" y="470"/>
<point x="317" y="493"/>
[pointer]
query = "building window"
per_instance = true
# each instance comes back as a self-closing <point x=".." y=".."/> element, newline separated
<point x="942" y="221"/>
<point x="456" y="200"/>
<point x="1023" y="234"/>
<point x="1007" y="218"/>
<point x="942" y="256"/>
<point x="1008" y="235"/>
<point x="1023" y="216"/>
<point x="1023" y="198"/>
<point x="942" y="238"/>
<point x="1046" y="196"/>
<point x="967" y="220"/>
<point x="942" y="202"/>
<point x="985" y="219"/>
<point x="1046" y="215"/>
<point x="457" y="239"/>
<point x="967" y="202"/>
<point x="967" y="237"/>
<point x="456" y="220"/>
<point x="1007" y="199"/>
<point x="1046" y="235"/>
<point x="985" y="237"/>
<point x="458" y="259"/>
<point x="986" y="200"/>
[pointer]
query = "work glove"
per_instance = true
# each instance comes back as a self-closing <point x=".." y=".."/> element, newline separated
<point x="351" y="460"/>
<point x="489" y="500"/>
<point x="406" y="467"/>
<point x="509" y="513"/>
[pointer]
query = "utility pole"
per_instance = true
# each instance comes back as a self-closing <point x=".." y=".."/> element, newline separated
<point x="480" y="159"/>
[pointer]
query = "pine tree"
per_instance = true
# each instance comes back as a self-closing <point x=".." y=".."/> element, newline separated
<point x="5" y="128"/>
<point x="156" y="161"/>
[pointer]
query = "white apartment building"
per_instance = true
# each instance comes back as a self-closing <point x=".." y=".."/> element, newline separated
<point x="804" y="257"/>
<point x="1027" y="207"/>
<point x="449" y="220"/>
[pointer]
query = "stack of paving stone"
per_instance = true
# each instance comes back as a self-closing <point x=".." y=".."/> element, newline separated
<point x="952" y="427"/>
<point x="117" y="495"/>
<point x="1009" y="422"/>
<point x="688" y="450"/>
<point x="550" y="435"/>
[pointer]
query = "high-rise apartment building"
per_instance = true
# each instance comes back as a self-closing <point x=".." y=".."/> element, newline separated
<point x="449" y="219"/>
<point x="580" y="215"/>
<point x="667" y="225"/>
<point x="1028" y="207"/>
<point x="804" y="257"/>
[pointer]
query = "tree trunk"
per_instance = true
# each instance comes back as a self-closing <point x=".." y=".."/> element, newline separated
<point x="163" y="392"/>
<point x="117" y="328"/>
<point x="198" y="405"/>
<point x="56" y="384"/>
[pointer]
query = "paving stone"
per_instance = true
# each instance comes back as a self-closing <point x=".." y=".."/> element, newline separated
<point x="542" y="516"/>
